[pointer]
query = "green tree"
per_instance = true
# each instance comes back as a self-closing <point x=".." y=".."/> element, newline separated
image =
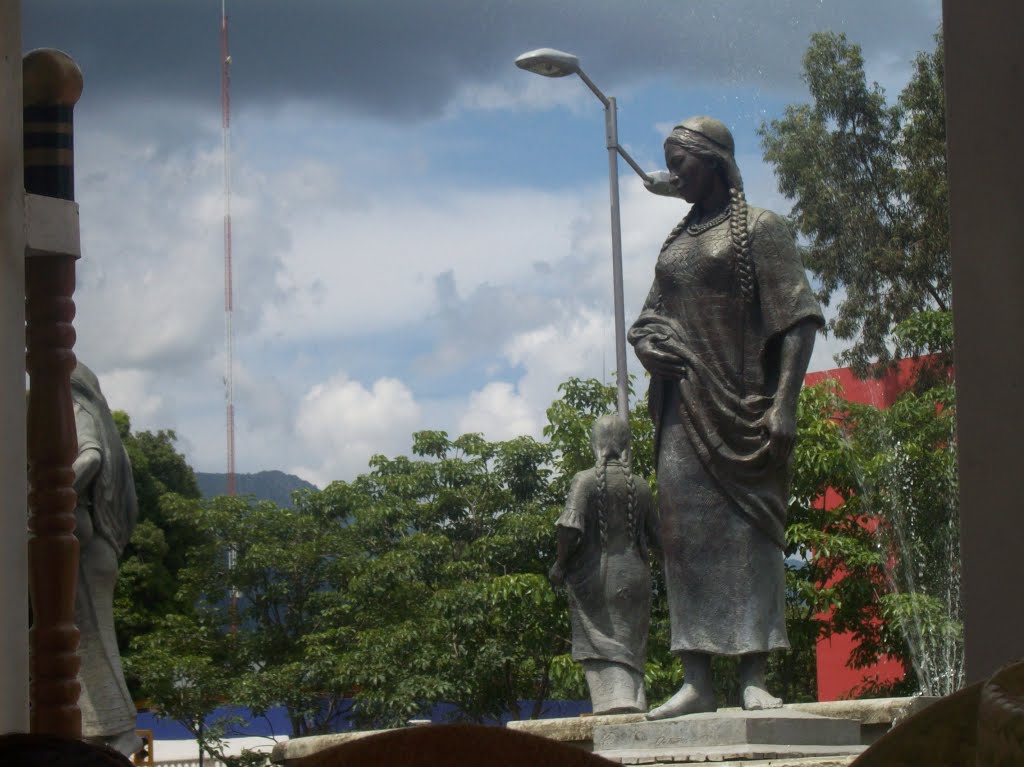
<point x="909" y="484"/>
<point x="185" y="667"/>
<point x="883" y="562"/>
<point x="456" y="542"/>
<point x="869" y="192"/>
<point x="870" y="199"/>
<point x="422" y="581"/>
<point x="270" y="581"/>
<point x="147" y="583"/>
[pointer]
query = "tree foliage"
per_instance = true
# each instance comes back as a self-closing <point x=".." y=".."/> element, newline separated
<point x="455" y="542"/>
<point x="258" y="588"/>
<point x="870" y="197"/>
<point x="186" y="668"/>
<point x="147" y="586"/>
<point x="422" y="581"/>
<point x="881" y="546"/>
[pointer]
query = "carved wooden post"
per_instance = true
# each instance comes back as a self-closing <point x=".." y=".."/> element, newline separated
<point x="52" y="86"/>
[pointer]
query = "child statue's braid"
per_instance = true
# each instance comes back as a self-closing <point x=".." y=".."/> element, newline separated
<point x="602" y="500"/>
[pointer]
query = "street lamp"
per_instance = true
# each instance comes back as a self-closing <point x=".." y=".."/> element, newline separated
<point x="551" y="63"/>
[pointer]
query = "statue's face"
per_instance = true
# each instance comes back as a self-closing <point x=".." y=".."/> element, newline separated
<point x="691" y="174"/>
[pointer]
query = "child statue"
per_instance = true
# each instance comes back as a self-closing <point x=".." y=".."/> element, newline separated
<point x="603" y="537"/>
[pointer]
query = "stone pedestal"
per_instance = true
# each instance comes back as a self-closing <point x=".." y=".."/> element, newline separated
<point x="876" y="717"/>
<point x="871" y="718"/>
<point x="731" y="735"/>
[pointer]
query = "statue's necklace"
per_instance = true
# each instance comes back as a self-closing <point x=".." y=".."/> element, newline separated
<point x="695" y="229"/>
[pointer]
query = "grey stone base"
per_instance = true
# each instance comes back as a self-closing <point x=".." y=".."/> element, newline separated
<point x="298" y="748"/>
<point x="748" y="755"/>
<point x="781" y="726"/>
<point x="729" y="736"/>
<point x="876" y="716"/>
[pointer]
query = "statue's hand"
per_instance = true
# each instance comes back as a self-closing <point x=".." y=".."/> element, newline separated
<point x="86" y="467"/>
<point x="780" y="423"/>
<point x="660" y="184"/>
<point x="556" y="575"/>
<point x="659" y="360"/>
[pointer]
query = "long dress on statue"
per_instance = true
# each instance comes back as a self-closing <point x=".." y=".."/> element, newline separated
<point x="105" y="518"/>
<point x="721" y="499"/>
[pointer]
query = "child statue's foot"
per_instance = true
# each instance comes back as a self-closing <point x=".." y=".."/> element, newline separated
<point x="687" y="701"/>
<point x="757" y="698"/>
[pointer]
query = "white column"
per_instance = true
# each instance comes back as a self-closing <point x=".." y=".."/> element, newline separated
<point x="13" y="480"/>
<point x="985" y="119"/>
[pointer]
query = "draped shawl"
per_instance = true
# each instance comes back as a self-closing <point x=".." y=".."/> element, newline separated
<point x="111" y="495"/>
<point x="695" y="311"/>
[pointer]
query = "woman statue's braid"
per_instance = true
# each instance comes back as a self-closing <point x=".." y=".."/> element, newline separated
<point x="739" y="233"/>
<point x="631" y="521"/>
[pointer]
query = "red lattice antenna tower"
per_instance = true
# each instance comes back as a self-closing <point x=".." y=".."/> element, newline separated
<point x="229" y="301"/>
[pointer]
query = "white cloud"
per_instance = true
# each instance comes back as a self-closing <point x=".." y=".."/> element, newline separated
<point x="580" y="343"/>
<point x="342" y="423"/>
<point x="148" y="281"/>
<point x="500" y="413"/>
<point x="513" y="279"/>
<point x="133" y="392"/>
<point x="525" y="91"/>
<point x="451" y="300"/>
<point x="347" y="270"/>
<point x="574" y="342"/>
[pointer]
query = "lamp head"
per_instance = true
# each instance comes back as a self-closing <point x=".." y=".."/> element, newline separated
<point x="549" y="62"/>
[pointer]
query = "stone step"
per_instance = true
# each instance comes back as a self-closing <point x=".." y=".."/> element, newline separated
<point x="776" y="726"/>
<point x="749" y="755"/>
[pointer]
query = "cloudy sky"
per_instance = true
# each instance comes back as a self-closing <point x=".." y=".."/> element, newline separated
<point x="421" y="231"/>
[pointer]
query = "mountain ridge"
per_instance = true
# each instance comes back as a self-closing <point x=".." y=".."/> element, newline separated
<point x="271" y="485"/>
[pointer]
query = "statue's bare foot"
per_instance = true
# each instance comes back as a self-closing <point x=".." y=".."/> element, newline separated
<point x="687" y="701"/>
<point x="757" y="698"/>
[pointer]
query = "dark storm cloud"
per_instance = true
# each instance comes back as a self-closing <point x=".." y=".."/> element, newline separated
<point x="405" y="59"/>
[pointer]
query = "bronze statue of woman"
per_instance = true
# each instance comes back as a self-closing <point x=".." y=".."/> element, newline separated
<point x="726" y="334"/>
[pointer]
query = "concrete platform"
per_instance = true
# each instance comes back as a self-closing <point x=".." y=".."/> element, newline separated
<point x="876" y="717"/>
<point x="297" y="748"/>
<point x="750" y="755"/>
<point x="730" y="735"/>
<point x="729" y="728"/>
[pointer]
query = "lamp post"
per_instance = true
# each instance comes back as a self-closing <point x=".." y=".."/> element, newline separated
<point x="551" y="63"/>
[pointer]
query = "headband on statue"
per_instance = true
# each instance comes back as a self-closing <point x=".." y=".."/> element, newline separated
<point x="708" y="137"/>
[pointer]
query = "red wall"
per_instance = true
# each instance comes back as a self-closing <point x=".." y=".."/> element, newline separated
<point x="836" y="680"/>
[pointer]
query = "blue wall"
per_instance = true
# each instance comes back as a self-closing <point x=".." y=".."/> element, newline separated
<point x="276" y="720"/>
